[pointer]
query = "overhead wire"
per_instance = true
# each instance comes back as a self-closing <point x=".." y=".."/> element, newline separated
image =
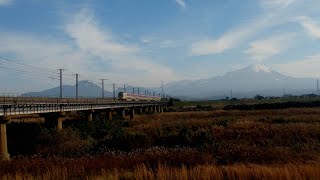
<point x="38" y="72"/>
<point x="43" y="71"/>
<point x="25" y="65"/>
<point x="26" y="72"/>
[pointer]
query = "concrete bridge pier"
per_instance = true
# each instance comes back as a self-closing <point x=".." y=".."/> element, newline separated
<point x="90" y="115"/>
<point x="161" y="109"/>
<point x="151" y="109"/>
<point x="132" y="113"/>
<point x="109" y="114"/>
<point x="140" y="110"/>
<point x="155" y="109"/>
<point x="54" y="120"/>
<point x="146" y="109"/>
<point x="60" y="118"/>
<point x="123" y="113"/>
<point x="4" y="155"/>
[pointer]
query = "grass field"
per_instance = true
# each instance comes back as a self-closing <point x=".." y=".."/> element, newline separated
<point x="251" y="171"/>
<point x="219" y="104"/>
<point x="259" y="144"/>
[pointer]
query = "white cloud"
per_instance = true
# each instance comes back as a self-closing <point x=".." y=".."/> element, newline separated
<point x="263" y="49"/>
<point x="230" y="39"/>
<point x="41" y="52"/>
<point x="308" y="67"/>
<point x="227" y="41"/>
<point x="311" y="26"/>
<point x="145" y="40"/>
<point x="168" y="44"/>
<point x="275" y="14"/>
<point x="181" y="3"/>
<point x="157" y="42"/>
<point x="91" y="38"/>
<point x="276" y="3"/>
<point x="91" y="51"/>
<point x="5" y="2"/>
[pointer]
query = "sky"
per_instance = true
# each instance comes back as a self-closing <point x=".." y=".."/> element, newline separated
<point x="144" y="42"/>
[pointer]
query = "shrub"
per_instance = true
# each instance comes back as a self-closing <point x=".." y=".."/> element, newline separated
<point x="223" y="122"/>
<point x="280" y="120"/>
<point x="63" y="143"/>
<point x="204" y="140"/>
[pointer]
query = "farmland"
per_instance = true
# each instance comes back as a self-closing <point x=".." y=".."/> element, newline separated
<point x="268" y="143"/>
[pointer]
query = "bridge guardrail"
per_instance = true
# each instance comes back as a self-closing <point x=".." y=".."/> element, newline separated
<point x="32" y="108"/>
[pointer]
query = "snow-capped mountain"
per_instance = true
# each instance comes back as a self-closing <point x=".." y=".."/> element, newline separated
<point x="258" y="68"/>
<point x="246" y="82"/>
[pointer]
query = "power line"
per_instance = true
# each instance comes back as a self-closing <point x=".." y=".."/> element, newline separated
<point x="24" y="71"/>
<point x="39" y="71"/>
<point x="27" y="72"/>
<point x="25" y="65"/>
<point x="43" y="73"/>
<point x="35" y="71"/>
<point x="31" y="72"/>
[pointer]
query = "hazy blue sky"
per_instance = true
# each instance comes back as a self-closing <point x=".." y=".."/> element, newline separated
<point x="142" y="42"/>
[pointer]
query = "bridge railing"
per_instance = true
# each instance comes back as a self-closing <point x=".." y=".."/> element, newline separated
<point x="15" y="109"/>
<point x="33" y="100"/>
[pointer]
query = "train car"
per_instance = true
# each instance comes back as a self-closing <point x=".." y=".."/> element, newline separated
<point x="137" y="97"/>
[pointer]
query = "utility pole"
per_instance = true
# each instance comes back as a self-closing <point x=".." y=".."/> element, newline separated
<point x="102" y="84"/>
<point x="145" y="92"/>
<point x="138" y="90"/>
<point x="60" y="71"/>
<point x="114" y="91"/>
<point x="133" y="90"/>
<point x="154" y="93"/>
<point x="77" y="86"/>
<point x="124" y="88"/>
<point x="318" y="87"/>
<point x="162" y="90"/>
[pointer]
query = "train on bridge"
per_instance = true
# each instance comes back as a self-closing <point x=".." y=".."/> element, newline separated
<point x="122" y="96"/>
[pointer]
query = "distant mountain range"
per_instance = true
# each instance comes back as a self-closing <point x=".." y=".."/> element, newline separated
<point x="86" y="89"/>
<point x="246" y="82"/>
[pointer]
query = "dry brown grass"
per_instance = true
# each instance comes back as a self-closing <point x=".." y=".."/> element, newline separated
<point x="250" y="171"/>
<point x="264" y="144"/>
<point x="202" y="119"/>
<point x="264" y="136"/>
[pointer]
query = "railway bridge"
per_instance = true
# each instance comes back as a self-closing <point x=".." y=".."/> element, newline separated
<point x="55" y="111"/>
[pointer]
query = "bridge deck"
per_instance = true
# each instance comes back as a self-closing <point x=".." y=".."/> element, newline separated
<point x="20" y="106"/>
